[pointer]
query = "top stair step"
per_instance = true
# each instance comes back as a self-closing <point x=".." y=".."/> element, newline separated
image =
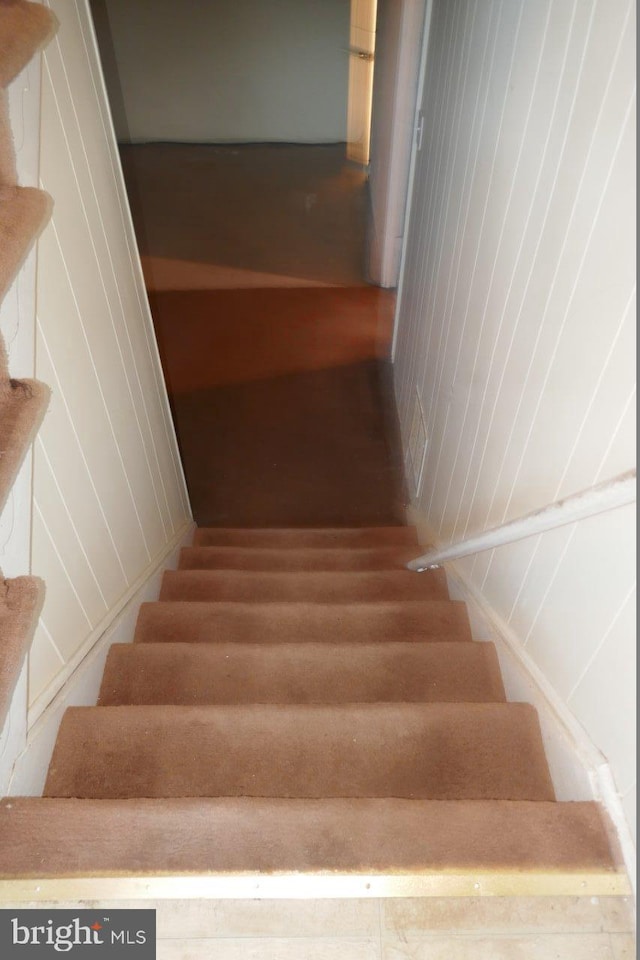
<point x="316" y="537"/>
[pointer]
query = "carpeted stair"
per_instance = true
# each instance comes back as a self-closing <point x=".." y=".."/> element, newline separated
<point x="24" y="28"/>
<point x="298" y="702"/>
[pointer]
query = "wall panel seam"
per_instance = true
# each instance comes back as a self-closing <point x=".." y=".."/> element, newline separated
<point x="100" y="390"/>
<point x="590" y="405"/>
<point x="424" y="160"/>
<point x="628" y="405"/>
<point x="556" y="569"/>
<point x="432" y="173"/>
<point x="144" y="307"/>
<point x="427" y="282"/>
<point x="523" y="234"/>
<point x="61" y="561"/>
<point x="468" y="178"/>
<point x="534" y="259"/>
<point x="126" y="326"/>
<point x="67" y="511"/>
<point x="81" y="449"/>
<point x="123" y="315"/>
<point x="541" y="392"/>
<point x="525" y="576"/>
<point x="473" y="275"/>
<point x="465" y="192"/>
<point x="89" y="641"/>
<point x="558" y="265"/>
<point x="98" y="262"/>
<point x="43" y="626"/>
<point x="445" y="194"/>
<point x="627" y="598"/>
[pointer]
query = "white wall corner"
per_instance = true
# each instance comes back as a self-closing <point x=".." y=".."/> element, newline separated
<point x="82" y="685"/>
<point x="578" y="769"/>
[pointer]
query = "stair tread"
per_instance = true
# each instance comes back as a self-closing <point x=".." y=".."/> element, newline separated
<point x="428" y="751"/>
<point x="71" y="837"/>
<point x="295" y="558"/>
<point x="343" y="586"/>
<point x="21" y="410"/>
<point x="305" y="536"/>
<point x="204" y="673"/>
<point x="273" y="621"/>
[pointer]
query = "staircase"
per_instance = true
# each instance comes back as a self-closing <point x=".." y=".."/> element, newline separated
<point x="295" y="707"/>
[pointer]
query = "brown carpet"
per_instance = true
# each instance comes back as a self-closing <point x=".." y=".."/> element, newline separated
<point x="24" y="28"/>
<point x="289" y="561"/>
<point x="435" y="751"/>
<point x="323" y="587"/>
<point x="210" y="673"/>
<point x="266" y="734"/>
<point x="283" y="405"/>
<point x="21" y="600"/>
<point x="294" y="621"/>
<point x="128" y="837"/>
<point x="296" y="700"/>
<point x="326" y="538"/>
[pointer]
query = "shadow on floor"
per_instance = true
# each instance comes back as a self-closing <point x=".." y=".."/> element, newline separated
<point x="293" y="211"/>
<point x="283" y="405"/>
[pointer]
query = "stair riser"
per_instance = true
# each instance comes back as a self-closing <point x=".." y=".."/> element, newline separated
<point x="311" y="587"/>
<point x="254" y="622"/>
<point x="300" y="673"/>
<point x="293" y="560"/>
<point x="358" y="538"/>
<point x="433" y="751"/>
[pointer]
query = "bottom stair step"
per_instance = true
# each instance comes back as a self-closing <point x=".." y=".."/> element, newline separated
<point x="435" y="751"/>
<point x="83" y="838"/>
<point x="210" y="673"/>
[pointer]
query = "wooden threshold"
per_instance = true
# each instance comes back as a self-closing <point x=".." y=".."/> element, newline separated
<point x="304" y="886"/>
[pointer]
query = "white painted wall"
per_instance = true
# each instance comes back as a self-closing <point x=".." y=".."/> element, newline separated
<point x="109" y="496"/>
<point x="28" y="774"/>
<point x="516" y="331"/>
<point x="395" y="83"/>
<point x="17" y="315"/>
<point x="17" y="325"/>
<point x="227" y="71"/>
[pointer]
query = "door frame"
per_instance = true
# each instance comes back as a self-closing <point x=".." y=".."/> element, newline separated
<point x="397" y="92"/>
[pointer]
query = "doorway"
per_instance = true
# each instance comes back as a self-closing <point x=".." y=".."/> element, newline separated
<point x="233" y="121"/>
<point x="251" y="223"/>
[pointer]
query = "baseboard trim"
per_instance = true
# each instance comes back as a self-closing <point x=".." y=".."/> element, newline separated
<point x="300" y="886"/>
<point x="578" y="769"/>
<point x="48" y="695"/>
<point x="79" y="684"/>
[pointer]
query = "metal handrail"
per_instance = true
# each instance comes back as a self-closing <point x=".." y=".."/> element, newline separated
<point x="608" y="495"/>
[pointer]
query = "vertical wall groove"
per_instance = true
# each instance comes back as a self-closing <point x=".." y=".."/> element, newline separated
<point x="516" y="324"/>
<point x="107" y="490"/>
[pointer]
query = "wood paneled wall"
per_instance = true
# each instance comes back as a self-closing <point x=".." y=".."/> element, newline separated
<point x="109" y="496"/>
<point x="516" y="329"/>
